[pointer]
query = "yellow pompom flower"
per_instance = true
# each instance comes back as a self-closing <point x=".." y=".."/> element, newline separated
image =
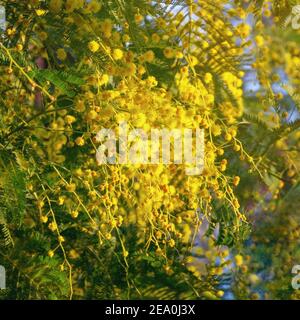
<point x="126" y="38"/>
<point x="243" y="30"/>
<point x="40" y="12"/>
<point x="228" y="137"/>
<point x="43" y="35"/>
<point x="259" y="41"/>
<point x="118" y="54"/>
<point x="216" y="130"/>
<point x="103" y="79"/>
<point x="80" y="141"/>
<point x="72" y="5"/>
<point x="44" y="219"/>
<point x="130" y="69"/>
<point x="151" y="82"/>
<point x="207" y="78"/>
<point x="267" y="13"/>
<point x="80" y="106"/>
<point x="169" y="53"/>
<point x="19" y="47"/>
<point x="61" y="54"/>
<point x="138" y="18"/>
<point x="74" y="214"/>
<point x="220" y="293"/>
<point x="93" y="46"/>
<point x="70" y="119"/>
<point x="236" y="180"/>
<point x="238" y="260"/>
<point x="50" y="253"/>
<point x="61" y="200"/>
<point x="55" y="5"/>
<point x="149" y="56"/>
<point x="141" y="70"/>
<point x="106" y="27"/>
<point x="193" y="61"/>
<point x="125" y="253"/>
<point x="179" y="55"/>
<point x="52" y="226"/>
<point x="210" y="99"/>
<point x="172" y="243"/>
<point x="92" y="115"/>
<point x="93" y="7"/>
<point x="71" y="187"/>
<point x="73" y="254"/>
<point x="155" y="37"/>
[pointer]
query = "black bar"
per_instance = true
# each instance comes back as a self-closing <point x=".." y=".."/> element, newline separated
<point x="146" y="309"/>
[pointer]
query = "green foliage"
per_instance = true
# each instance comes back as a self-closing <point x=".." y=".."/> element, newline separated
<point x="61" y="80"/>
<point x="12" y="191"/>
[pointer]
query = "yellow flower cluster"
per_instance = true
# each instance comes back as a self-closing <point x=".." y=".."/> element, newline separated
<point x="184" y="75"/>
